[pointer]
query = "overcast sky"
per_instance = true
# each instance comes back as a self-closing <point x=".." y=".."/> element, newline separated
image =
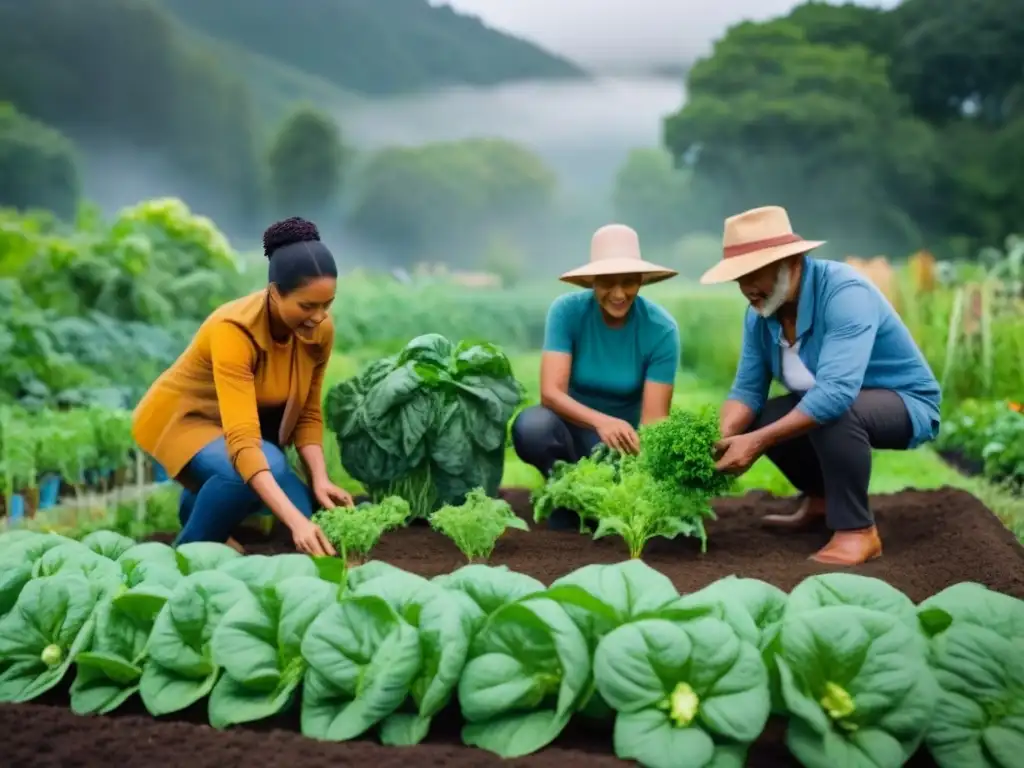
<point x="610" y="32"/>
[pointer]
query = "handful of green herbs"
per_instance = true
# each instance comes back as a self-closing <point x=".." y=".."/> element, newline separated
<point x="664" y="491"/>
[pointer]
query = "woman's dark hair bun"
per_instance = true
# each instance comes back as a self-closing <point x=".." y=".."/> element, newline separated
<point x="293" y="230"/>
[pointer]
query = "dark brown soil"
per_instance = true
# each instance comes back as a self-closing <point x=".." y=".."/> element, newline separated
<point x="932" y="539"/>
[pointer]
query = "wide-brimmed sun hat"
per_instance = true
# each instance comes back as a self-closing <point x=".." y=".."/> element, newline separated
<point x="615" y="250"/>
<point x="754" y="239"/>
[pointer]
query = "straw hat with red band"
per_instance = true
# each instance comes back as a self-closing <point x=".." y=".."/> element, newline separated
<point x="615" y="250"/>
<point x="754" y="239"/>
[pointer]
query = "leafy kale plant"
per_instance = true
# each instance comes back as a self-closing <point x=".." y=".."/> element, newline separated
<point x="476" y="525"/>
<point x="428" y="424"/>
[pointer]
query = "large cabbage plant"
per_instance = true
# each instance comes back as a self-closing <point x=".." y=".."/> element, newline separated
<point x="428" y="424"/>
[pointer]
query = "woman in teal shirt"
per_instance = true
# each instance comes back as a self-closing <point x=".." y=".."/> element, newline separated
<point x="609" y="361"/>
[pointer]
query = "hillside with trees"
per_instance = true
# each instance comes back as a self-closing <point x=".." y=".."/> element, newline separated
<point x="375" y="47"/>
<point x="190" y="99"/>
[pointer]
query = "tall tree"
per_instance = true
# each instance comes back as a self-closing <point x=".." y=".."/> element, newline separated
<point x="773" y="118"/>
<point x="307" y="162"/>
<point x="449" y="198"/>
<point x="653" y="196"/>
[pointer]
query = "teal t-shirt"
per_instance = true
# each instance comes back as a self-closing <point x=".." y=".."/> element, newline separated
<point x="611" y="365"/>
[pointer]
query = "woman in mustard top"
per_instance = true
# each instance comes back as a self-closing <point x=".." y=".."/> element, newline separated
<point x="249" y="385"/>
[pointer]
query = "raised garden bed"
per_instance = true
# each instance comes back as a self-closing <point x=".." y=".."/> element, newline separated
<point x="932" y="540"/>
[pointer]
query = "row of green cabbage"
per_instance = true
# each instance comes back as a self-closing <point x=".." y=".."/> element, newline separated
<point x="864" y="676"/>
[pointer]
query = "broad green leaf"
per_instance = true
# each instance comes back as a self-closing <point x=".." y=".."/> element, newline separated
<point x="765" y="602"/>
<point x="103" y="573"/>
<point x="979" y="720"/>
<point x="49" y="624"/>
<point x="362" y="659"/>
<point x="258" y="645"/>
<point x="30" y="545"/>
<point x="490" y="586"/>
<point x="403" y="729"/>
<point x="858" y="685"/>
<point x="15" y="573"/>
<point x="631" y="589"/>
<point x="199" y="556"/>
<point x="528" y="672"/>
<point x="852" y="589"/>
<point x="397" y="587"/>
<point x="149" y="552"/>
<point x="108" y="544"/>
<point x="682" y="689"/>
<point x="181" y="669"/>
<point x="102" y="683"/>
<point x="972" y="603"/>
<point x="260" y="571"/>
<point x="109" y="668"/>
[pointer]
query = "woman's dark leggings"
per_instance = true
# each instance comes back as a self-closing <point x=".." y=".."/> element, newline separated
<point x="541" y="438"/>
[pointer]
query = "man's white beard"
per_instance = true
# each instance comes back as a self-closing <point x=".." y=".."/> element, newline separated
<point x="778" y="295"/>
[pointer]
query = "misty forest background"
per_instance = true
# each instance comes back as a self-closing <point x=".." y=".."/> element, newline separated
<point x="455" y="170"/>
<point x="882" y="131"/>
<point x="146" y="144"/>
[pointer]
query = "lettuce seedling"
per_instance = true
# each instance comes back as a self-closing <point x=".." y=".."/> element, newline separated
<point x="580" y="487"/>
<point x="354" y="531"/>
<point x="639" y="508"/>
<point x="476" y="525"/>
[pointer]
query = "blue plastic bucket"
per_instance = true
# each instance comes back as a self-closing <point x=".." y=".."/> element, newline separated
<point x="49" y="491"/>
<point x="17" y="511"/>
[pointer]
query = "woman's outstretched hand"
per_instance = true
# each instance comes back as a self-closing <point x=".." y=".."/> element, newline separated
<point x="310" y="540"/>
<point x="329" y="496"/>
<point x="619" y="435"/>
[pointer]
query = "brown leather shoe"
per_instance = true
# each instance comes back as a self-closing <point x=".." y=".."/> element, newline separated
<point x="809" y="514"/>
<point x="850" y="548"/>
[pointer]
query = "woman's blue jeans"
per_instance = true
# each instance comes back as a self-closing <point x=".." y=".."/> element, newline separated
<point x="220" y="500"/>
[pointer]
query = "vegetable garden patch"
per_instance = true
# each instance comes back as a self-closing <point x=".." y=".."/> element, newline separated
<point x="557" y="649"/>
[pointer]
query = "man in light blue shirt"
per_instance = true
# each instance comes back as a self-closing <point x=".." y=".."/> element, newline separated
<point x="857" y="379"/>
<point x="609" y="362"/>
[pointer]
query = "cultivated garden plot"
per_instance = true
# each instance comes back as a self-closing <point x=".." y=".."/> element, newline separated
<point x="555" y="648"/>
<point x="456" y="628"/>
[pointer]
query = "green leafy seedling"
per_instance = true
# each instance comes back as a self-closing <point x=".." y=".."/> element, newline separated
<point x="354" y="531"/>
<point x="476" y="525"/>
